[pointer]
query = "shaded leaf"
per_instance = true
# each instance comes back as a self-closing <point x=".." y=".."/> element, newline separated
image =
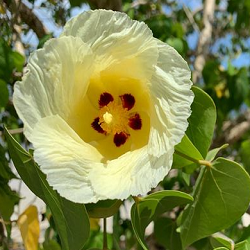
<point x="221" y="197"/>
<point x="153" y="205"/>
<point x="5" y="172"/>
<point x="71" y="219"/>
<point x="103" y="209"/>
<point x="8" y="199"/>
<point x="165" y="234"/>
<point x="4" y="94"/>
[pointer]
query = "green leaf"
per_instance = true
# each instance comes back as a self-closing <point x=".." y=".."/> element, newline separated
<point x="186" y="148"/>
<point x="221" y="240"/>
<point x="5" y="172"/>
<point x="95" y="241"/>
<point x="103" y="209"/>
<point x="165" y="234"/>
<point x="177" y="43"/>
<point x="153" y="205"/>
<point x="221" y="248"/>
<point x="8" y="200"/>
<point x="244" y="245"/>
<point x="18" y="61"/>
<point x="6" y="61"/>
<point x="4" y="94"/>
<point x="71" y="219"/>
<point x="51" y="245"/>
<point x="212" y="153"/>
<point x="244" y="153"/>
<point x="221" y="196"/>
<point x="202" y="121"/>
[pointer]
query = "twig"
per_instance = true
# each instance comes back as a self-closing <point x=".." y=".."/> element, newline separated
<point x="27" y="16"/>
<point x="14" y="131"/>
<point x="190" y="18"/>
<point x="204" y="39"/>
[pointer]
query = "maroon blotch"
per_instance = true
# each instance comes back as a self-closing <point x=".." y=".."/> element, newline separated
<point x="96" y="126"/>
<point x="128" y="101"/>
<point x="105" y="99"/>
<point x="120" y="138"/>
<point x="135" y="122"/>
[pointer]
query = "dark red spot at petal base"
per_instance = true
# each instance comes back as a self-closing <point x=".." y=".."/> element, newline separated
<point x="120" y="138"/>
<point x="96" y="126"/>
<point x="128" y="101"/>
<point x="135" y="122"/>
<point x="105" y="99"/>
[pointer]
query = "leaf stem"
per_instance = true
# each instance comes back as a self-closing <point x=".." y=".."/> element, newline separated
<point x="105" y="242"/>
<point x="136" y="199"/>
<point x="200" y="162"/>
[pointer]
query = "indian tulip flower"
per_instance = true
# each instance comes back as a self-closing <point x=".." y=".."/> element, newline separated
<point x="104" y="106"/>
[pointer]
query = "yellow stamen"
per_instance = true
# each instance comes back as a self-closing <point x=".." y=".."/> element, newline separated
<point x="107" y="117"/>
<point x="113" y="118"/>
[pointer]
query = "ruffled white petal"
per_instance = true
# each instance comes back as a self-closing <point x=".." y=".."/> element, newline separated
<point x="102" y="48"/>
<point x="57" y="77"/>
<point x="134" y="173"/>
<point x="119" y="43"/>
<point x="65" y="159"/>
<point x="171" y="97"/>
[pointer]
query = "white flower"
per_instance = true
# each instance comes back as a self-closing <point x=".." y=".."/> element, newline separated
<point x="104" y="105"/>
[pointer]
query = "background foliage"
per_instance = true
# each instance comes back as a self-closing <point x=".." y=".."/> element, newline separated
<point x="213" y="37"/>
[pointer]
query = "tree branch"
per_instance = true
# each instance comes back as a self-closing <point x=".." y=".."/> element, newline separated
<point x="204" y="39"/>
<point x="17" y="7"/>
<point x="232" y="131"/>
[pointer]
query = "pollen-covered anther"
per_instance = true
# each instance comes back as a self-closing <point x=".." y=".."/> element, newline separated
<point x="115" y="117"/>
<point x="128" y="101"/>
<point x="135" y="121"/>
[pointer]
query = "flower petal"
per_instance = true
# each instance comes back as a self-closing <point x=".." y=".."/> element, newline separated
<point x="118" y="42"/>
<point x="172" y="98"/>
<point x="65" y="159"/>
<point x="133" y="173"/>
<point x="57" y="77"/>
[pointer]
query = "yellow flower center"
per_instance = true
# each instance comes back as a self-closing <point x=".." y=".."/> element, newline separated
<point x="113" y="118"/>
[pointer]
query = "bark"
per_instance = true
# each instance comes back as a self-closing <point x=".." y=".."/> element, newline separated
<point x="18" y="8"/>
<point x="232" y="131"/>
<point x="204" y="39"/>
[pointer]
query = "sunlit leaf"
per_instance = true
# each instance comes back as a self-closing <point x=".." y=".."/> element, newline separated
<point x="202" y="121"/>
<point x="186" y="148"/>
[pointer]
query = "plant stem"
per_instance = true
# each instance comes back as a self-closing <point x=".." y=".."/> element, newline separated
<point x="105" y="242"/>
<point x="200" y="162"/>
<point x="136" y="199"/>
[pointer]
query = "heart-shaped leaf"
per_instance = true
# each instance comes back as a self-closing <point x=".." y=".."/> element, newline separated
<point x="202" y="121"/>
<point x="221" y="197"/>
